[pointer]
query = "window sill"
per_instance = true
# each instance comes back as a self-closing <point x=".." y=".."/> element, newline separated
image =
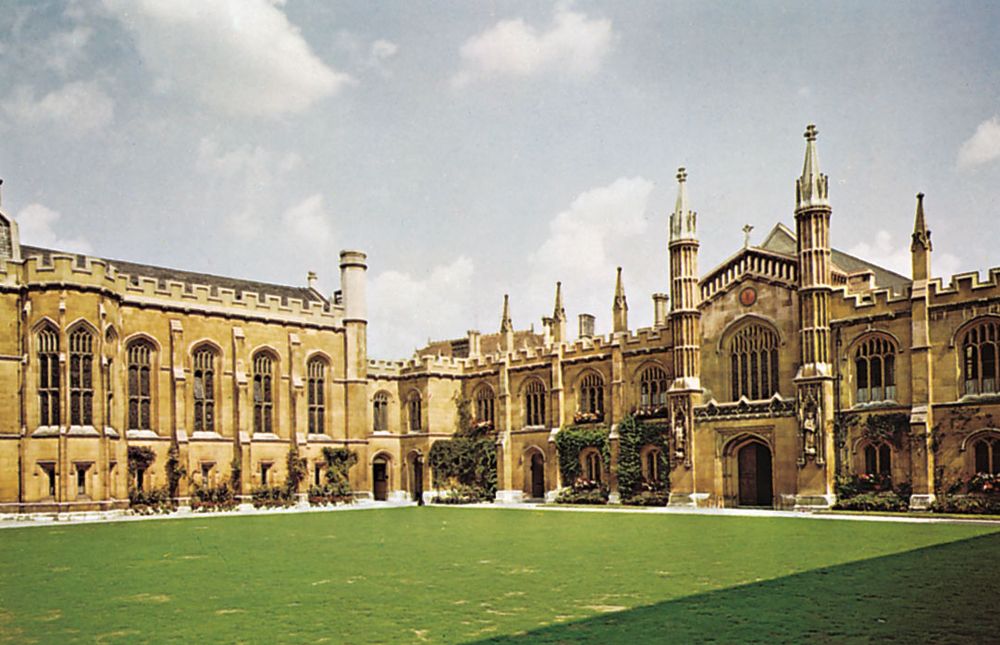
<point x="319" y="438"/>
<point x="111" y="432"/>
<point x="46" y="431"/>
<point x="83" y="431"/>
<point x="872" y="405"/>
<point x="141" y="434"/>
<point x="206" y="435"/>
<point x="264" y="436"/>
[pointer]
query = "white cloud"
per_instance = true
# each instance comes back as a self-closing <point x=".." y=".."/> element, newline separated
<point x="886" y="252"/>
<point x="404" y="310"/>
<point x="384" y="49"/>
<point x="75" y="108"/>
<point x="37" y="226"/>
<point x="65" y="49"/>
<point x="242" y="57"/>
<point x="575" y="44"/>
<point x="983" y="146"/>
<point x="248" y="174"/>
<point x="308" y="224"/>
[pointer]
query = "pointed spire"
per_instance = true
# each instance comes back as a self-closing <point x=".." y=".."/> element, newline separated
<point x="683" y="221"/>
<point x="620" y="291"/>
<point x="921" y="234"/>
<point x="559" y="312"/>
<point x="505" y="324"/>
<point x="811" y="187"/>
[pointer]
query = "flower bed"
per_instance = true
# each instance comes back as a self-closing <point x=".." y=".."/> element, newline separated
<point x="213" y="498"/>
<point x="463" y="495"/>
<point x="874" y="501"/>
<point x="330" y="494"/>
<point x="972" y="504"/>
<point x="151" y="502"/>
<point x="647" y="498"/>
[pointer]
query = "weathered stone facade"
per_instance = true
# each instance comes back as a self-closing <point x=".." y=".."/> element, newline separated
<point x="762" y="375"/>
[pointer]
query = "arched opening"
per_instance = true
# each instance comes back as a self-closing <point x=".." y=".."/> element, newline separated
<point x="380" y="478"/>
<point x="755" y="477"/>
<point x="416" y="476"/>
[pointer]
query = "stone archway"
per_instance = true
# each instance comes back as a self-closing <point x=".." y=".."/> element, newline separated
<point x="415" y="468"/>
<point x="381" y="477"/>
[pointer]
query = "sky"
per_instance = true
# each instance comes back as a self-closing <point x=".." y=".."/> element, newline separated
<point x="473" y="149"/>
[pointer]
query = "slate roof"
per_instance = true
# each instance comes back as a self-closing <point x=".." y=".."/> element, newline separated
<point x="781" y="239"/>
<point x="191" y="278"/>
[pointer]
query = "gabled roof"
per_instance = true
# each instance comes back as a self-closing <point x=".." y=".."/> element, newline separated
<point x="191" y="278"/>
<point x="782" y="240"/>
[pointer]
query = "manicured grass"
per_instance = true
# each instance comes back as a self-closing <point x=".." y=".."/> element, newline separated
<point x="461" y="575"/>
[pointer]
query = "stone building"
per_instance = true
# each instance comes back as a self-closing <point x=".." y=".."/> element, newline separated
<point x="788" y="365"/>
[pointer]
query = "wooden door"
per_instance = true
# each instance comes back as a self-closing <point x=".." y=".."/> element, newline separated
<point x="418" y="480"/>
<point x="747" y="458"/>
<point x="765" y="496"/>
<point x="537" y="476"/>
<point x="380" y="476"/>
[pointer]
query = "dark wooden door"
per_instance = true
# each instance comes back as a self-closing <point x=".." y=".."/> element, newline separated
<point x="747" y="458"/>
<point x="537" y="476"/>
<point x="380" y="476"/>
<point x="754" y="461"/>
<point x="418" y="480"/>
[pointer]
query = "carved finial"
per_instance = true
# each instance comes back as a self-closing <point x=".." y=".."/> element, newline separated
<point x="746" y="235"/>
<point x="811" y="132"/>
<point x="682" y="174"/>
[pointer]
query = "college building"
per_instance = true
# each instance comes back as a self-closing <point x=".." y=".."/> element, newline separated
<point x="768" y="377"/>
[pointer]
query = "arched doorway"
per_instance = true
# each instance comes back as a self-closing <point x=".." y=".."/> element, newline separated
<point x="380" y="479"/>
<point x="754" y="464"/>
<point x="537" y="475"/>
<point x="417" y="478"/>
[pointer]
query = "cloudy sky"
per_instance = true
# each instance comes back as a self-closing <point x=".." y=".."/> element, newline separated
<point x="478" y="148"/>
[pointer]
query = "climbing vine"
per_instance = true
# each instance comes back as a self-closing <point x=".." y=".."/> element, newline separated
<point x="572" y="440"/>
<point x="633" y="437"/>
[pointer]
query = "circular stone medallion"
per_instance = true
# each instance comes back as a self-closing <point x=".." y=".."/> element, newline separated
<point x="748" y="296"/>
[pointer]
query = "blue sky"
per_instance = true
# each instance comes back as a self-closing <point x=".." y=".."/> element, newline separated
<point x="474" y="148"/>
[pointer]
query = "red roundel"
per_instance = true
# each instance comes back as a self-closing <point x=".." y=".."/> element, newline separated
<point x="748" y="296"/>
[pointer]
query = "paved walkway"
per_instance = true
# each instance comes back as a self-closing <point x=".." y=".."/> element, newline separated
<point x="62" y="519"/>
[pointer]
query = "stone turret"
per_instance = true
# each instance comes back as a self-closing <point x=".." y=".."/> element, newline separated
<point x="558" y="320"/>
<point x="921" y="365"/>
<point x="353" y="268"/>
<point x="506" y="326"/>
<point x="814" y="379"/>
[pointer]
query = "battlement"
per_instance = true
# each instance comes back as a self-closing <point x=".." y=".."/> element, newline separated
<point x="868" y="300"/>
<point x="90" y="272"/>
<point x="965" y="285"/>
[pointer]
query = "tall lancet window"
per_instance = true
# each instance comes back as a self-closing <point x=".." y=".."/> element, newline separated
<point x="981" y="357"/>
<point x="316" y="392"/>
<point x="140" y="399"/>
<point x="754" y="362"/>
<point x="204" y="389"/>
<point x="48" y="377"/>
<point x="263" y="393"/>
<point x="81" y="377"/>
<point x="875" y="368"/>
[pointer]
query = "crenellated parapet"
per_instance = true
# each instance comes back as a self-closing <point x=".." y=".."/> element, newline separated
<point x="965" y="286"/>
<point x="64" y="270"/>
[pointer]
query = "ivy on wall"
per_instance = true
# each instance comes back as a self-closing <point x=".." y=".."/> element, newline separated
<point x="633" y="437"/>
<point x="572" y="440"/>
<point x="468" y="460"/>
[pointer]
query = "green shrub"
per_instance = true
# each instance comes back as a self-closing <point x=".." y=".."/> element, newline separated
<point x="213" y="498"/>
<point x="647" y="498"/>
<point x="465" y="463"/>
<point x="328" y="494"/>
<point x="873" y="501"/>
<point x="273" y="497"/>
<point x="150" y="502"/>
<point x="973" y="504"/>
<point x="462" y="494"/>
<point x="583" y="492"/>
<point x="633" y="437"/>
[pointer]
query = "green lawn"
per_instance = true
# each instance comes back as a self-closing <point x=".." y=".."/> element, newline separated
<point x="465" y="575"/>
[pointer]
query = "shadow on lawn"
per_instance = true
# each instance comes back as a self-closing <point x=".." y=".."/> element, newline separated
<point x="945" y="592"/>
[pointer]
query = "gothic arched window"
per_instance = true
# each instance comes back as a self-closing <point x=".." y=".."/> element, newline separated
<point x="204" y="389"/>
<point x="590" y="460"/>
<point x="380" y="412"/>
<point x="878" y="459"/>
<point x="316" y="395"/>
<point x="415" y="411"/>
<point x="48" y="377"/>
<point x="981" y="364"/>
<point x="987" y="451"/>
<point x="140" y="399"/>
<point x="81" y="377"/>
<point x="875" y="367"/>
<point x="592" y="395"/>
<point x="484" y="400"/>
<point x="534" y="403"/>
<point x="263" y="393"/>
<point x="754" y="360"/>
<point x="652" y="389"/>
